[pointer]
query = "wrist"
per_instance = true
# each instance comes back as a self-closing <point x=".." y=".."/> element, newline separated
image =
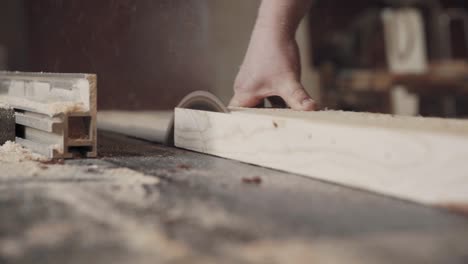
<point x="275" y="32"/>
<point x="279" y="19"/>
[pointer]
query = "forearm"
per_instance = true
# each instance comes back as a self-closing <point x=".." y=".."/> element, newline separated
<point x="280" y="18"/>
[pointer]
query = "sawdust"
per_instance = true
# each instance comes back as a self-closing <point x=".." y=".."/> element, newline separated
<point x="4" y="106"/>
<point x="96" y="192"/>
<point x="48" y="108"/>
<point x="48" y="234"/>
<point x="139" y="236"/>
<point x="363" y="249"/>
<point x="18" y="163"/>
<point x="66" y="107"/>
<point x="12" y="152"/>
<point x="92" y="190"/>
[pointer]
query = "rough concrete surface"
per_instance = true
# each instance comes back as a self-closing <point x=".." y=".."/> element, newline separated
<point x="7" y="124"/>
<point x="146" y="203"/>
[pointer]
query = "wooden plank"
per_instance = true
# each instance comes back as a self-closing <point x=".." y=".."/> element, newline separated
<point x="39" y="122"/>
<point x="419" y="159"/>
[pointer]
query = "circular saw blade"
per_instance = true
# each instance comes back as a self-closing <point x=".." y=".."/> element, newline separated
<point x="198" y="100"/>
<point x="203" y="100"/>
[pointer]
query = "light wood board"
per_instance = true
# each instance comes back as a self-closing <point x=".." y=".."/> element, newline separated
<point x="413" y="158"/>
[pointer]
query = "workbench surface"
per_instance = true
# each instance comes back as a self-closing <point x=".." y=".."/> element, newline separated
<point x="203" y="209"/>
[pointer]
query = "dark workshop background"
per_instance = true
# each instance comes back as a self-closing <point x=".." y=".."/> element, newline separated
<point x="148" y="54"/>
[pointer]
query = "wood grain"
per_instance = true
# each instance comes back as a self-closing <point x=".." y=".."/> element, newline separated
<point x="417" y="159"/>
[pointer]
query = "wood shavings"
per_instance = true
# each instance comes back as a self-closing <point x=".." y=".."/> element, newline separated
<point x="51" y="109"/>
<point x="17" y="161"/>
<point x="14" y="152"/>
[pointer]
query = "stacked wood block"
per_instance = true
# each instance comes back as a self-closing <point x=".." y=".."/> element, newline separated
<point x="55" y="113"/>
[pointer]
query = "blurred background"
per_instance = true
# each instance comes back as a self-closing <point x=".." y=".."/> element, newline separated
<point x="405" y="57"/>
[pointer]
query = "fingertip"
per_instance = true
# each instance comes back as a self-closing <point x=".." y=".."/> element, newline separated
<point x="308" y="104"/>
<point x="300" y="101"/>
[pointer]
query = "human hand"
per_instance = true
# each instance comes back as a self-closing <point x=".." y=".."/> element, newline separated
<point x="271" y="67"/>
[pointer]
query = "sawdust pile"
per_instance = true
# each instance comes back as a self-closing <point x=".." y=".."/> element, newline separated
<point x="12" y="152"/>
<point x="92" y="188"/>
<point x="17" y="162"/>
<point x="4" y="106"/>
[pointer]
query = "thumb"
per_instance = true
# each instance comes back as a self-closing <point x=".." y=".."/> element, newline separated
<point x="296" y="97"/>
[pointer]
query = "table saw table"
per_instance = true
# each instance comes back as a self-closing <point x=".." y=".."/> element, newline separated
<point x="212" y="210"/>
